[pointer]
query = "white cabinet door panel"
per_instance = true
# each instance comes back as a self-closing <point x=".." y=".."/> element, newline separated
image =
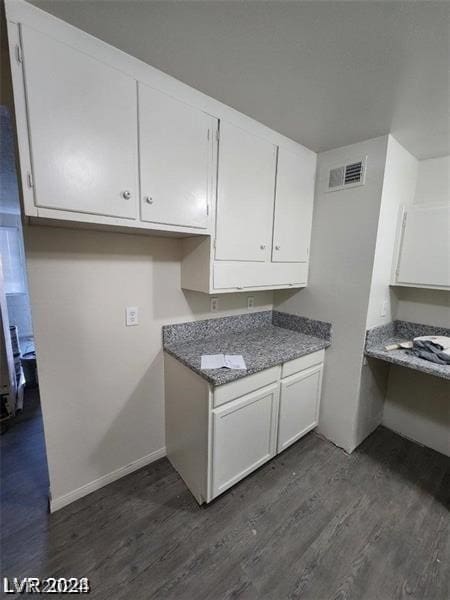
<point x="243" y="275"/>
<point x="424" y="257"/>
<point x="175" y="154"/>
<point x="246" y="187"/>
<point x="299" y="405"/>
<point x="293" y="207"/>
<point x="83" y="129"/>
<point x="244" y="436"/>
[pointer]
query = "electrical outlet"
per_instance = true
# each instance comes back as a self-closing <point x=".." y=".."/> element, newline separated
<point x="384" y="308"/>
<point x="214" y="304"/>
<point x="132" y="316"/>
<point x="250" y="301"/>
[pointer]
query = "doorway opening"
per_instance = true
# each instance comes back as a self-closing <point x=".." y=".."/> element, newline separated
<point x="24" y="473"/>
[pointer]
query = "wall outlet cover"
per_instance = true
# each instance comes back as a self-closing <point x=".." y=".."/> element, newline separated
<point x="250" y="301"/>
<point x="132" y="316"/>
<point x="214" y="304"/>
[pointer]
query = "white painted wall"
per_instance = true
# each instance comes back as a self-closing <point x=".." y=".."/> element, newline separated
<point x="342" y="251"/>
<point x="399" y="187"/>
<point x="101" y="383"/>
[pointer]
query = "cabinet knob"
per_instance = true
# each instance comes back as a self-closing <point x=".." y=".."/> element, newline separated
<point x="277" y="247"/>
<point x="148" y="199"/>
<point x="263" y="246"/>
<point x="126" y="194"/>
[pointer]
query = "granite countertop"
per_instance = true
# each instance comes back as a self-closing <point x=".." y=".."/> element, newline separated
<point x="264" y="340"/>
<point x="400" y="331"/>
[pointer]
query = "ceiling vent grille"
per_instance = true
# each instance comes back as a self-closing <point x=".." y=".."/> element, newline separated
<point x="350" y="175"/>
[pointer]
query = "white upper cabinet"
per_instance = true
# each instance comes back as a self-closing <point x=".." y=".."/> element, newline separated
<point x="245" y="195"/>
<point x="107" y="140"/>
<point x="176" y="156"/>
<point x="293" y="207"/>
<point x="82" y="117"/>
<point x="424" y="247"/>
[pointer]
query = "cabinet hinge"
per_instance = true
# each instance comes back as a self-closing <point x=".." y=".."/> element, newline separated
<point x="214" y="244"/>
<point x="217" y="134"/>
<point x="30" y="179"/>
<point x="207" y="210"/>
<point x="208" y="135"/>
<point x="19" y="55"/>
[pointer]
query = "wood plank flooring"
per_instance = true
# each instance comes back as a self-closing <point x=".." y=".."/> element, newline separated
<point x="314" y="523"/>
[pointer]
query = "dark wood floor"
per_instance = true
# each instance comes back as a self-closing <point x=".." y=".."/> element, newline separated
<point x="312" y="524"/>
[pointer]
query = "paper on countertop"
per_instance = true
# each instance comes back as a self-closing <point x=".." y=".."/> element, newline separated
<point x="213" y="361"/>
<point x="234" y="361"/>
<point x="218" y="361"/>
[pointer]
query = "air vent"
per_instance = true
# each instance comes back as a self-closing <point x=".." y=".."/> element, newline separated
<point x="346" y="176"/>
<point x="353" y="173"/>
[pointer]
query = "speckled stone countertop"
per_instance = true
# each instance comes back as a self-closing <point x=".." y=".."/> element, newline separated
<point x="400" y="331"/>
<point x="259" y="337"/>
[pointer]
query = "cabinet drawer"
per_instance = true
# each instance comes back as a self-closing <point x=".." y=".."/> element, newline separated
<point x="304" y="362"/>
<point x="235" y="389"/>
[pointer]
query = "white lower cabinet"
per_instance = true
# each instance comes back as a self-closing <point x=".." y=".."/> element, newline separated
<point x="244" y="436"/>
<point x="216" y="436"/>
<point x="299" y="405"/>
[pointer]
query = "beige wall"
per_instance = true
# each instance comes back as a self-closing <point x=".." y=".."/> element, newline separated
<point x="102" y="383"/>
<point x="417" y="407"/>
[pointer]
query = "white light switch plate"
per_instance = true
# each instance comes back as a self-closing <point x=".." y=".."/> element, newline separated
<point x="132" y="314"/>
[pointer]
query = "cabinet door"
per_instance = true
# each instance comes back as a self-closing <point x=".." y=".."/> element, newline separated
<point x="299" y="405"/>
<point x="293" y="207"/>
<point x="245" y="195"/>
<point x="83" y="130"/>
<point x="175" y="158"/>
<point x="244" y="436"/>
<point x="424" y="257"/>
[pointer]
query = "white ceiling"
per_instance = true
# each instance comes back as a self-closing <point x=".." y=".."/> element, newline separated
<point x="326" y="74"/>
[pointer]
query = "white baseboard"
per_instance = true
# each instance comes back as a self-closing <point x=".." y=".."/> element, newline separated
<point x="92" y="486"/>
